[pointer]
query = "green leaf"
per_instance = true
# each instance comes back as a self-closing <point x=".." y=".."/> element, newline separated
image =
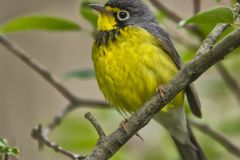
<point x="14" y="151"/>
<point x="84" y="73"/>
<point x="5" y="149"/>
<point x="46" y="23"/>
<point x="89" y="14"/>
<point x="3" y="142"/>
<point x="212" y="16"/>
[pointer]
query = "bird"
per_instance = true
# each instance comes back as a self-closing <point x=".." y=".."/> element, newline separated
<point x="133" y="57"/>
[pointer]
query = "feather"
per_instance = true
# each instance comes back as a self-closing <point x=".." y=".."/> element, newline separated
<point x="167" y="45"/>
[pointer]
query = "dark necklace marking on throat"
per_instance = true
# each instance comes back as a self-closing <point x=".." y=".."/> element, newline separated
<point x="104" y="37"/>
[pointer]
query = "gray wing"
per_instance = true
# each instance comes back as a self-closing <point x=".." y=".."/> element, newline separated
<point x="168" y="46"/>
<point x="164" y="40"/>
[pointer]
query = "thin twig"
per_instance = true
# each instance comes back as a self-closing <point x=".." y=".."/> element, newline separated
<point x="236" y="10"/>
<point x="42" y="138"/>
<point x="212" y="37"/>
<point x="58" y="118"/>
<point x="227" y="144"/>
<point x="196" y="6"/>
<point x="35" y="65"/>
<point x="6" y="157"/>
<point x="53" y="80"/>
<point x="230" y="81"/>
<point x="175" y="18"/>
<point x="41" y="135"/>
<point x="96" y="125"/>
<point x="164" y="9"/>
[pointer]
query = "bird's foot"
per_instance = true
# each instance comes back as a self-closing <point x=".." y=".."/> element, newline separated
<point x="123" y="125"/>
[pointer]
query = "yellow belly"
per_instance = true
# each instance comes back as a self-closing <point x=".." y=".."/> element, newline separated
<point x="130" y="69"/>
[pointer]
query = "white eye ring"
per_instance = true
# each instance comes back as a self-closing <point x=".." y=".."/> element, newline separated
<point x="123" y="15"/>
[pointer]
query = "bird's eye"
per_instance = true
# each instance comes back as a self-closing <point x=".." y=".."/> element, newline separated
<point x="123" y="15"/>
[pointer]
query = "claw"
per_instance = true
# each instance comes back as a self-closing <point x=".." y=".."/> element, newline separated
<point x="138" y="135"/>
<point x="122" y="124"/>
<point x="161" y="91"/>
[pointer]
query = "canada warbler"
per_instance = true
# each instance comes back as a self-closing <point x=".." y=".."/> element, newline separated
<point x="132" y="57"/>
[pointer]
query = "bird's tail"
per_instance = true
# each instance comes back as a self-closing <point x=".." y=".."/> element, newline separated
<point x="175" y="121"/>
<point x="191" y="151"/>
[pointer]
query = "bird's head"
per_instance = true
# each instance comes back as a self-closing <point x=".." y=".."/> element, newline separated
<point x="121" y="13"/>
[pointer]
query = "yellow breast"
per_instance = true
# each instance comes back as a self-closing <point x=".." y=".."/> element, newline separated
<point x="130" y="67"/>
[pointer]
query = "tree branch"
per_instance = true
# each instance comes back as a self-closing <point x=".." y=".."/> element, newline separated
<point x="190" y="72"/>
<point x="96" y="125"/>
<point x="229" y="146"/>
<point x="196" y="6"/>
<point x="42" y="138"/>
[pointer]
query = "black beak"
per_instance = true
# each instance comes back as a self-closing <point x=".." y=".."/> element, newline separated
<point x="100" y="8"/>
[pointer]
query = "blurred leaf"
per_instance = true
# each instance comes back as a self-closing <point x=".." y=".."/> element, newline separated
<point x="84" y="73"/>
<point x="13" y="151"/>
<point x="3" y="143"/>
<point x="26" y="23"/>
<point x="89" y="14"/>
<point x="210" y="18"/>
<point x="5" y="149"/>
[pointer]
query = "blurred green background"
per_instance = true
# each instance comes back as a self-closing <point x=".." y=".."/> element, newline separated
<point x="27" y="100"/>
